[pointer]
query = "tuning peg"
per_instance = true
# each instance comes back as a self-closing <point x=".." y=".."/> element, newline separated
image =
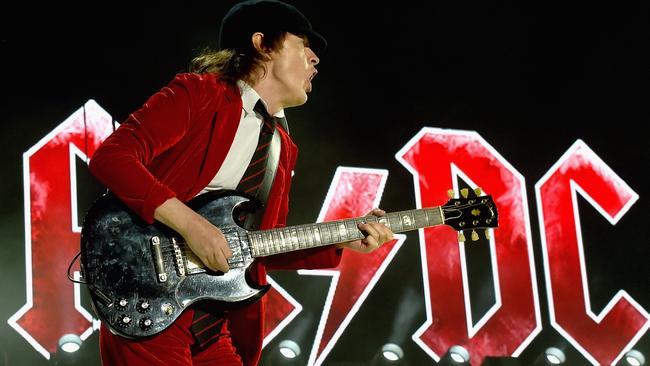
<point x="474" y="235"/>
<point x="451" y="193"/>
<point x="464" y="192"/>
<point x="487" y="234"/>
<point x="478" y="191"/>
<point x="461" y="237"/>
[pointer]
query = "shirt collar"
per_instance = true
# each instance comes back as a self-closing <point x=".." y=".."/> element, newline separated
<point x="250" y="97"/>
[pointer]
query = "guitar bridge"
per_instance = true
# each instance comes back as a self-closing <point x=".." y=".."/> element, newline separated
<point x="178" y="256"/>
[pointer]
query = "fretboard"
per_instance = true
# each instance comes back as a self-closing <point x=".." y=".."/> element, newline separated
<point x="291" y="238"/>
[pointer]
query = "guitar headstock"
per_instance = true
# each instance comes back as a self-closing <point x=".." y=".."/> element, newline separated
<point x="470" y="212"/>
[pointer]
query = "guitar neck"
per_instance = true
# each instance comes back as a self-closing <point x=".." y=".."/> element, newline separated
<point x="292" y="238"/>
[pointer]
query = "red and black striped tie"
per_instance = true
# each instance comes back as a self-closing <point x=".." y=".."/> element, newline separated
<point x="254" y="174"/>
<point x="207" y="326"/>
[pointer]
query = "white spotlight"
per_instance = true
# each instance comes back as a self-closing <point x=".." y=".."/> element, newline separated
<point x="392" y="352"/>
<point x="554" y="356"/>
<point x="459" y="354"/>
<point x="70" y="343"/>
<point x="289" y="348"/>
<point x="634" y="358"/>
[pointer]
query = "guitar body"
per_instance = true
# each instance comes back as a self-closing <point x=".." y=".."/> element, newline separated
<point x="141" y="277"/>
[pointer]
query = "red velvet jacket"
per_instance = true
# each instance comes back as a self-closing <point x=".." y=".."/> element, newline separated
<point x="172" y="147"/>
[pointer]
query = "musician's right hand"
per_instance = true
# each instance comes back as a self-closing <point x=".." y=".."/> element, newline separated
<point x="203" y="238"/>
<point x="209" y="244"/>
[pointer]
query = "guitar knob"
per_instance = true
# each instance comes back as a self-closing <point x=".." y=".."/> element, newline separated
<point x="143" y="306"/>
<point x="121" y="304"/>
<point x="145" y="323"/>
<point x="124" y="321"/>
<point x="478" y="191"/>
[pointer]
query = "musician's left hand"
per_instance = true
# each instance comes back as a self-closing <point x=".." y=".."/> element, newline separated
<point x="376" y="235"/>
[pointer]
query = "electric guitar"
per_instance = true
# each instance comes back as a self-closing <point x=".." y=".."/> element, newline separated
<point x="141" y="277"/>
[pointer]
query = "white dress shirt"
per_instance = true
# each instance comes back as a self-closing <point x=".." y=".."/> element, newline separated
<point x="244" y="144"/>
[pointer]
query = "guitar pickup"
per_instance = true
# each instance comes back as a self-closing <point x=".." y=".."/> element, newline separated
<point x="158" y="262"/>
<point x="237" y="259"/>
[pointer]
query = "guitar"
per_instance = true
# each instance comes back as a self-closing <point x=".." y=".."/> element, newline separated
<point x="141" y="277"/>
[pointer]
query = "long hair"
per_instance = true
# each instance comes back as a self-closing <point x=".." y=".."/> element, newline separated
<point x="245" y="63"/>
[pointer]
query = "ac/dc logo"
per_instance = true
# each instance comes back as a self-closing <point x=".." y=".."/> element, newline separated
<point x="437" y="159"/>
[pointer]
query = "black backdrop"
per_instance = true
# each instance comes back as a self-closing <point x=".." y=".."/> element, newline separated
<point x="529" y="78"/>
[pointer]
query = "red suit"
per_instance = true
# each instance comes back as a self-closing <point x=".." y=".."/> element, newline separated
<point x="172" y="147"/>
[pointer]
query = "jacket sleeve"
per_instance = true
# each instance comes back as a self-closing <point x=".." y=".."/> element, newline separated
<point x="120" y="163"/>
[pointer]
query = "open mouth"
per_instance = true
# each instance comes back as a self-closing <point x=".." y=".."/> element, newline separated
<point x="309" y="80"/>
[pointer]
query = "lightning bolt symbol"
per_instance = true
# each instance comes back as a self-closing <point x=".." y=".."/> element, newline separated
<point x="353" y="192"/>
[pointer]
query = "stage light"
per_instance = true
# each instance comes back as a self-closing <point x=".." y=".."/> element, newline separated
<point x="70" y="343"/>
<point x="459" y="354"/>
<point x="551" y="356"/>
<point x="392" y="352"/>
<point x="285" y="353"/>
<point x="633" y="358"/>
<point x="289" y="349"/>
<point x="456" y="355"/>
<point x="554" y="356"/>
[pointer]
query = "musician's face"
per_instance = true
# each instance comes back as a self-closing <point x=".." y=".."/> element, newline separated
<point x="293" y="68"/>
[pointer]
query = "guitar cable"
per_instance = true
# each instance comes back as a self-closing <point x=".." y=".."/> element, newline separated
<point x="101" y="296"/>
<point x="81" y="272"/>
